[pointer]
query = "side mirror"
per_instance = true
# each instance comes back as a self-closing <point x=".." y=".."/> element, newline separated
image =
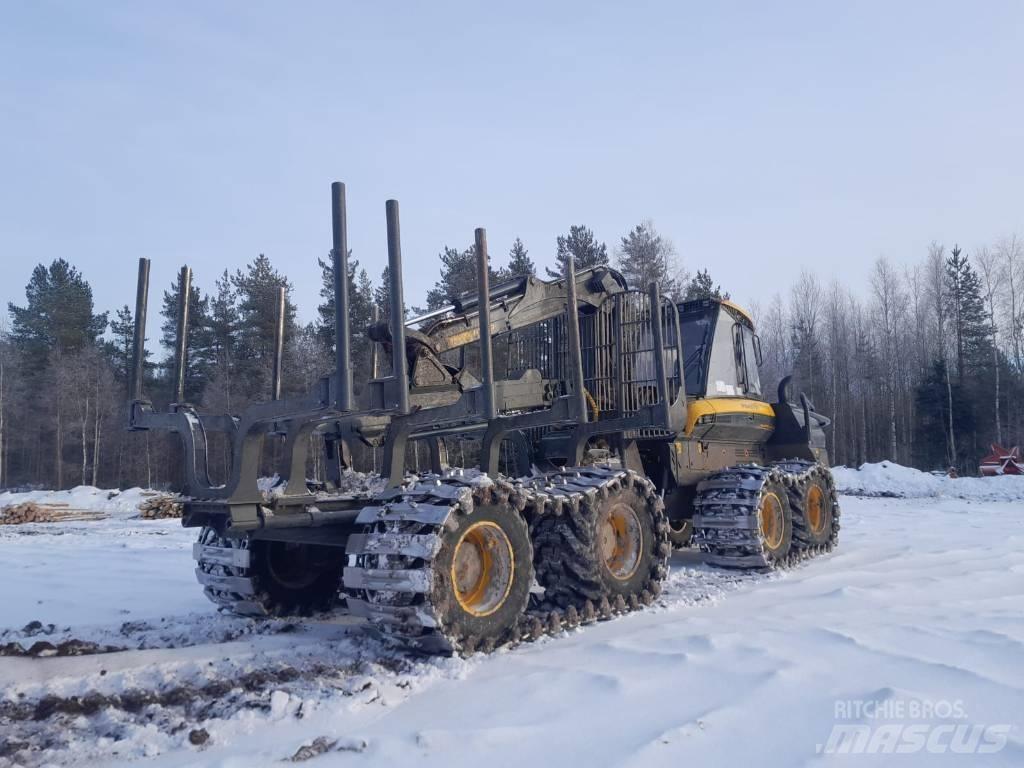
<point x="758" y="355"/>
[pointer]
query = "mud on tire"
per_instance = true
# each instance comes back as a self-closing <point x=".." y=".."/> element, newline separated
<point x="815" y="507"/>
<point x="611" y="547"/>
<point x="482" y="575"/>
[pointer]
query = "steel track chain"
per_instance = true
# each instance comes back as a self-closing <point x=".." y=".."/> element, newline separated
<point x="389" y="577"/>
<point x="726" y="524"/>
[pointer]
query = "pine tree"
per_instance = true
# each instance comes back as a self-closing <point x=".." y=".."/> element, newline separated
<point x="222" y="318"/>
<point x="257" y="289"/>
<point x="382" y="295"/>
<point x="458" y="277"/>
<point x="58" y="316"/>
<point x="199" y="357"/>
<point x="645" y="257"/>
<point x="119" y="349"/>
<point x="701" y="286"/>
<point x="583" y="246"/>
<point x="966" y="310"/>
<point x="361" y="298"/>
<point x="519" y="262"/>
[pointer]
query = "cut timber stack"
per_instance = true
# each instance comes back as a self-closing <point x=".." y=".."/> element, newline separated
<point x="31" y="512"/>
<point x="160" y="507"/>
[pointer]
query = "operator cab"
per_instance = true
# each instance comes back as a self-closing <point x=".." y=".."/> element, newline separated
<point x="721" y="352"/>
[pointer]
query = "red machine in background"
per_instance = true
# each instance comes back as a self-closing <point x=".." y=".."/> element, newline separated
<point x="1001" y="462"/>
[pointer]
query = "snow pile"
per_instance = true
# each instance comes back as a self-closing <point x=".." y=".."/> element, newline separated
<point x="117" y="504"/>
<point x="894" y="480"/>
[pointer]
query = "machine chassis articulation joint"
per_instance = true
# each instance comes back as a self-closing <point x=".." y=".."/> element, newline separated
<point x="611" y="424"/>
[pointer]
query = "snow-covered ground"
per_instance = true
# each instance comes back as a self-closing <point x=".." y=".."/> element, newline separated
<point x="908" y="638"/>
<point x="896" y="481"/>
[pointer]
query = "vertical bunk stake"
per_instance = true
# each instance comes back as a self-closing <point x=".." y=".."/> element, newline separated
<point x="139" y="339"/>
<point x="399" y="364"/>
<point x="484" y="322"/>
<point x="658" y="337"/>
<point x="278" y="344"/>
<point x="342" y="328"/>
<point x="181" y="338"/>
<point x="575" y="354"/>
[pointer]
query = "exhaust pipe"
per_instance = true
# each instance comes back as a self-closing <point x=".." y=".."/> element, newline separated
<point x="342" y="329"/>
<point x="181" y="338"/>
<point x="139" y="340"/>
<point x="483" y="280"/>
<point x="399" y="365"/>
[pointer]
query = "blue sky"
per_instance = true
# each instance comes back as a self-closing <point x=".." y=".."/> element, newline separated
<point x="760" y="137"/>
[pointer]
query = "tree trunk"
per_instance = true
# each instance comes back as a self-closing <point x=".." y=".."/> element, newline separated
<point x="995" y="362"/>
<point x="58" y="445"/>
<point x="892" y="423"/>
<point x="85" y="442"/>
<point x="96" y="450"/>
<point x="952" y="435"/>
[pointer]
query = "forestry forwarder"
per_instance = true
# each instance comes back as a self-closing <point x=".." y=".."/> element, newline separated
<point x="595" y="459"/>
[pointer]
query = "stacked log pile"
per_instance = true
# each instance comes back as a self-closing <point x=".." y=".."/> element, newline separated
<point x="32" y="512"/>
<point x="159" y="507"/>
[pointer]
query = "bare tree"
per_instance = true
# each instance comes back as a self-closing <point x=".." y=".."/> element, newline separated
<point x="936" y="276"/>
<point x="889" y="304"/>
<point x="805" y="310"/>
<point x="1010" y="251"/>
<point x="993" y="272"/>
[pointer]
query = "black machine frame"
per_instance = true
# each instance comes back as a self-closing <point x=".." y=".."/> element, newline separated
<point x="391" y="420"/>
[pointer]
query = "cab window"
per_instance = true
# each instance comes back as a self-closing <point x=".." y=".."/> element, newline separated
<point x="746" y="359"/>
<point x="723" y="374"/>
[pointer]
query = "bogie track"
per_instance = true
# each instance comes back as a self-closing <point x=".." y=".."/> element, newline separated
<point x="267" y="578"/>
<point x="763" y="517"/>
<point x="404" y="576"/>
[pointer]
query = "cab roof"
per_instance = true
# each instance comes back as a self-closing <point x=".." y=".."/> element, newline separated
<point x="697" y="304"/>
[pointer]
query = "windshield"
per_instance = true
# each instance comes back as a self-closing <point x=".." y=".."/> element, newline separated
<point x="696" y="329"/>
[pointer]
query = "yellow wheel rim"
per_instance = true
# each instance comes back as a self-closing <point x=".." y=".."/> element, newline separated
<point x="771" y="520"/>
<point x="621" y="540"/>
<point x="816" y="509"/>
<point x="482" y="569"/>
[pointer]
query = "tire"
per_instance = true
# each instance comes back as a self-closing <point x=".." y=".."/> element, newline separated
<point x="283" y="579"/>
<point x="775" y="519"/>
<point x="296" y="578"/>
<point x="611" y="547"/>
<point x="482" y="575"/>
<point x="815" y="512"/>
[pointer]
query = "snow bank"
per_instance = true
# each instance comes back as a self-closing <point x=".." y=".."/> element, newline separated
<point x="117" y="504"/>
<point x="894" y="480"/>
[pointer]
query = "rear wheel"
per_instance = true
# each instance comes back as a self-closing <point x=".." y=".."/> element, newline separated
<point x="482" y="575"/>
<point x="268" y="578"/>
<point x="296" y="578"/>
<point x="607" y="548"/>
